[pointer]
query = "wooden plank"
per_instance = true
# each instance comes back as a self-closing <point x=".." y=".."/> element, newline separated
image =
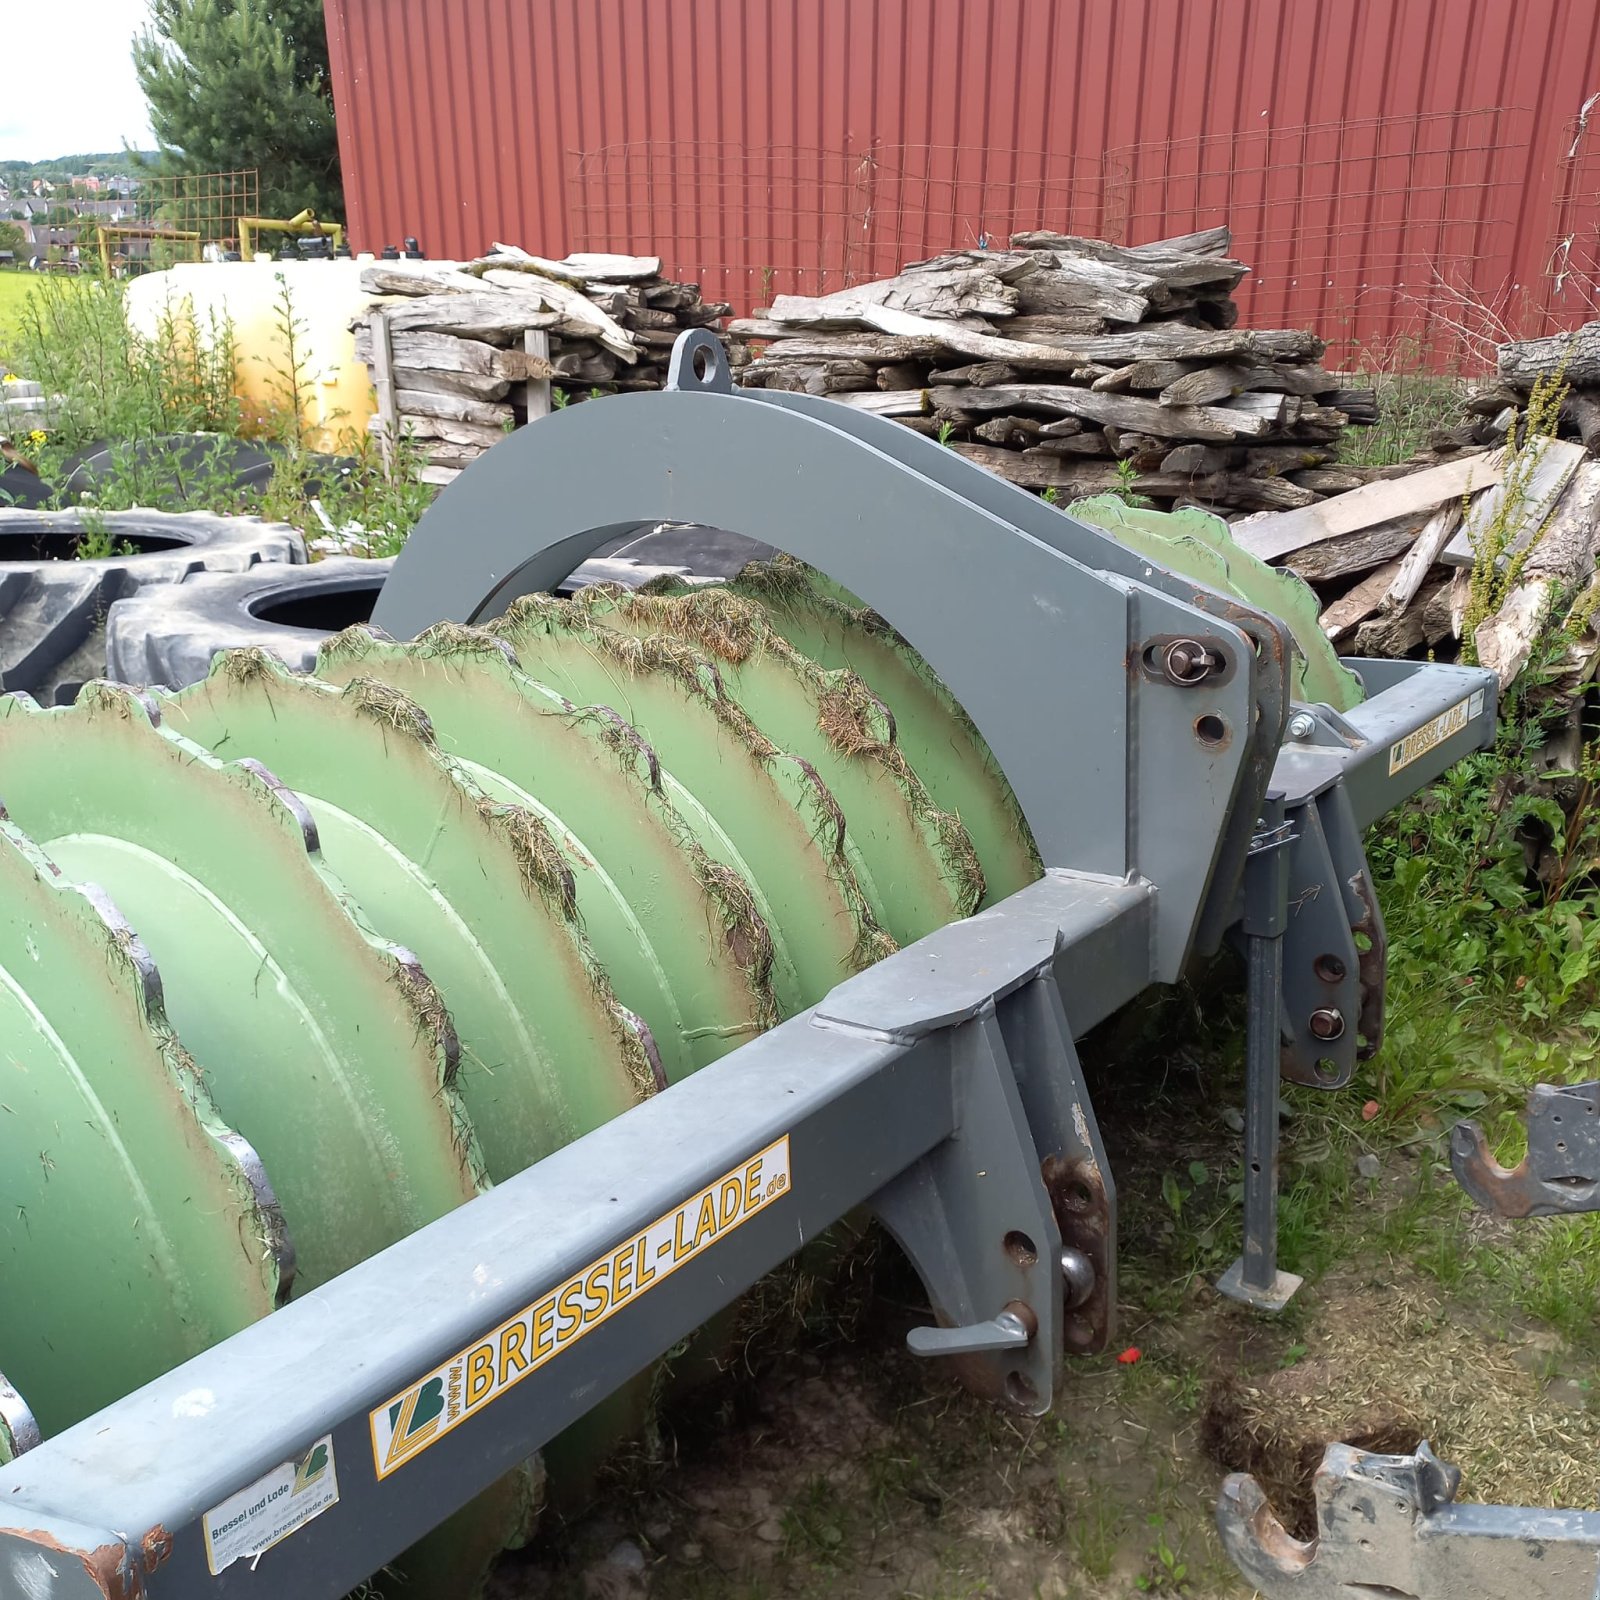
<point x="1541" y="486"/>
<point x="1378" y="503"/>
<point x="384" y="387"/>
<point x="536" y="395"/>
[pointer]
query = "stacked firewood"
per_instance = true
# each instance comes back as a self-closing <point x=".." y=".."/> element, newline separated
<point x="1076" y="366"/>
<point x="1394" y="561"/>
<point x="462" y="354"/>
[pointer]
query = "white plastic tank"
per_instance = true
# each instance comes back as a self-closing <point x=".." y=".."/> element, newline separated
<point x="324" y="297"/>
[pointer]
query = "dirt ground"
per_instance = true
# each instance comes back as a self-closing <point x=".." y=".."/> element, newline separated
<point x="831" y="1462"/>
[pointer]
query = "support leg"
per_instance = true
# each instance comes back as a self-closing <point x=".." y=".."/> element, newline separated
<point x="1254" y="1278"/>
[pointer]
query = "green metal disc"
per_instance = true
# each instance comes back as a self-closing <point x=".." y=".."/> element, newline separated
<point x="139" y="1229"/>
<point x="679" y="928"/>
<point x="921" y="869"/>
<point x="327" y="1047"/>
<point x="479" y="890"/>
<point x="937" y="737"/>
<point x="775" y="808"/>
<point x="1201" y="547"/>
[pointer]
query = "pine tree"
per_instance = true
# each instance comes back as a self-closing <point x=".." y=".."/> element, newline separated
<point x="236" y="84"/>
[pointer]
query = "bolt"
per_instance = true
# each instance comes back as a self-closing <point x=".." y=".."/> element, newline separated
<point x="1077" y="1277"/>
<point x="1326" y="1023"/>
<point x="1302" y="725"/>
<point x="1187" y="661"/>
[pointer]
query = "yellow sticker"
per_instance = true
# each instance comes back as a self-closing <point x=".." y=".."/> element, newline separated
<point x="1419" y="743"/>
<point x="402" y="1428"/>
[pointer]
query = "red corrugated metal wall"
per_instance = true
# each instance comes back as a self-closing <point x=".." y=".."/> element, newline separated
<point x="1389" y="167"/>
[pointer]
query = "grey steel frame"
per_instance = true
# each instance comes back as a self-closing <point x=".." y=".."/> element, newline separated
<point x="949" y="1062"/>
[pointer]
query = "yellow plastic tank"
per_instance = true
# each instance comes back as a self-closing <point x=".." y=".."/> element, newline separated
<point x="325" y="296"/>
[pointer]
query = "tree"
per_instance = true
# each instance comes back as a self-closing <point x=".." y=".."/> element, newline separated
<point x="12" y="238"/>
<point x="236" y="84"/>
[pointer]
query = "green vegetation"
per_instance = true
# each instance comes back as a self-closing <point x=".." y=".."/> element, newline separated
<point x="112" y="384"/>
<point x="14" y="290"/>
<point x="1413" y="401"/>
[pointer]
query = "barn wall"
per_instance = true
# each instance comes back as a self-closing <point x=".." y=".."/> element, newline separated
<point x="1372" y="156"/>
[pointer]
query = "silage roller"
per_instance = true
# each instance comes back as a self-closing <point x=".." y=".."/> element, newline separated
<point x="503" y="1003"/>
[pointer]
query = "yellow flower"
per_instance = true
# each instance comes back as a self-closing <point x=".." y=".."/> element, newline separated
<point x="37" y="436"/>
<point x="9" y="377"/>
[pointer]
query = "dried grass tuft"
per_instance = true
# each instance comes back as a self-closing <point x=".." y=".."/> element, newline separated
<point x="384" y="704"/>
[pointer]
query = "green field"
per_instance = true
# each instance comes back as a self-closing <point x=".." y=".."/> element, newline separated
<point x="14" y="290"/>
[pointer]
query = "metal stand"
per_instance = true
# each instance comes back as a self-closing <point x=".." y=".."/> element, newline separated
<point x="1254" y="1278"/>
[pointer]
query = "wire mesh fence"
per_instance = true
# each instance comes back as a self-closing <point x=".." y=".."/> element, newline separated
<point x="748" y="223"/>
<point x="139" y="221"/>
<point x="1375" y="232"/>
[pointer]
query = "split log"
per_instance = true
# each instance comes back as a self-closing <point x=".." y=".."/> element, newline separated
<point x="955" y="292"/>
<point x="437" y="352"/>
<point x="456" y="407"/>
<point x="467" y="384"/>
<point x="1575" y="355"/>
<point x="854" y="346"/>
<point x="1562" y="561"/>
<point x="1125" y="411"/>
<point x="587" y="264"/>
<point x="898" y="375"/>
<point x="1419" y="559"/>
<point x="1172" y="267"/>
<point x="491" y="318"/>
<point x="581" y="312"/>
<point x="1194" y="458"/>
<point x="983" y="374"/>
<point x="1018" y="432"/>
<point x="1327" y="480"/>
<point x="1358" y="603"/>
<point x="1582" y="412"/>
<point x="1399" y="634"/>
<point x="1055" y="327"/>
<point x="1350" y="553"/>
<point x="1137" y="344"/>
<point x="1144" y="375"/>
<point x="387" y="279"/>
<point x="479" y="435"/>
<point x="1089" y="443"/>
<point x="894" y="403"/>
<point x="1207" y="242"/>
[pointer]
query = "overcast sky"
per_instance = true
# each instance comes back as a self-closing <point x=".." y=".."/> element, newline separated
<point x="69" y="85"/>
